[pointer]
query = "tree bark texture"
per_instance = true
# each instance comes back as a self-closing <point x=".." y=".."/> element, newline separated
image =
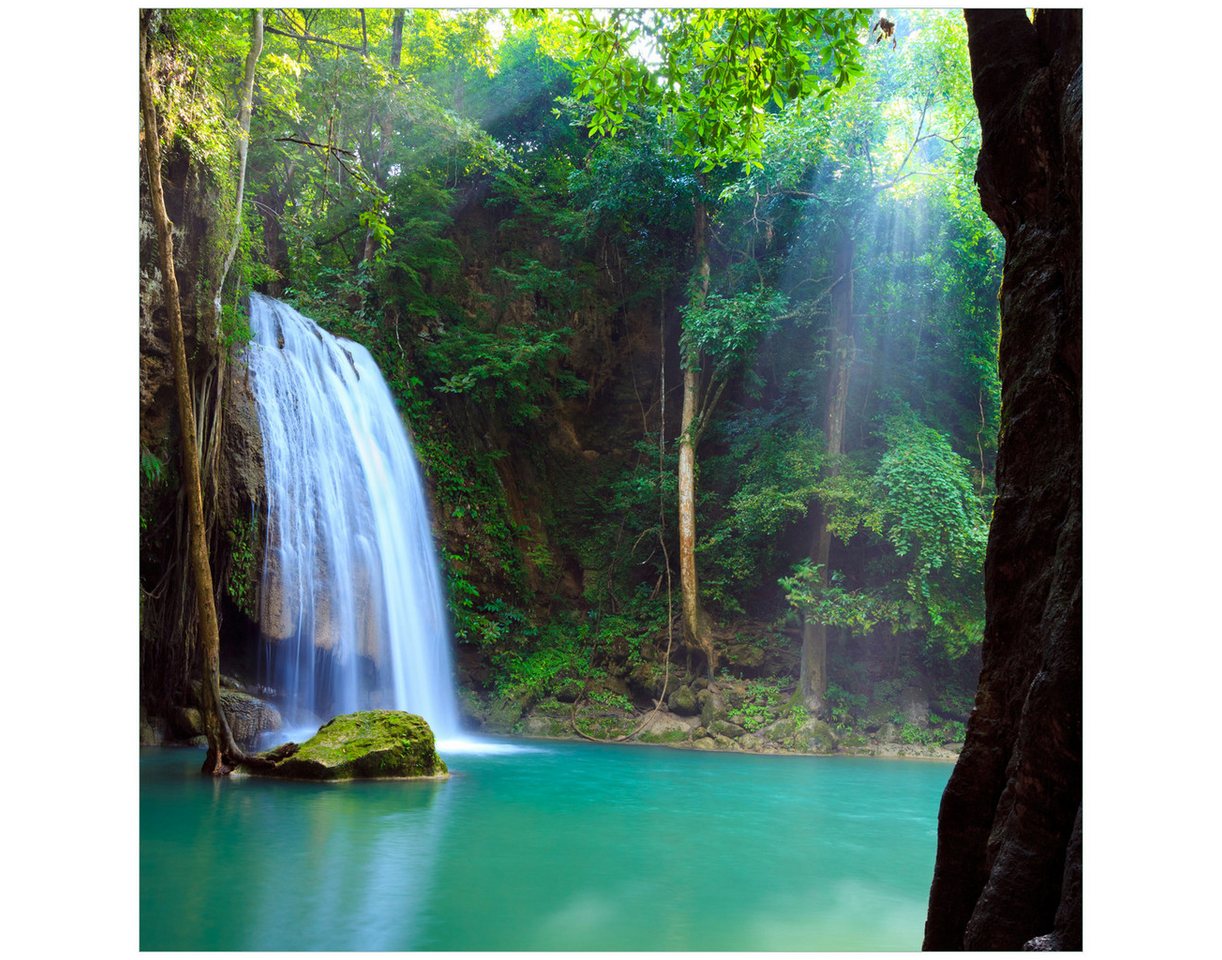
<point x="1008" y="869"/>
<point x="222" y="752"/>
<point x="695" y="621"/>
<point x="813" y="667"/>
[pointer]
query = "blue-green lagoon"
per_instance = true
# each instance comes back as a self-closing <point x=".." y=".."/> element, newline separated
<point x="554" y="846"/>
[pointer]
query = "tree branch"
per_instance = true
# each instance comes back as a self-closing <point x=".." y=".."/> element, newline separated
<point x="310" y="38"/>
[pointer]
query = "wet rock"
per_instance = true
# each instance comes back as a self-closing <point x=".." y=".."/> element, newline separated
<point x="814" y="736"/>
<point x="711" y="704"/>
<point x="726" y="729"/>
<point x="537" y="725"/>
<point x="186" y="722"/>
<point x="372" y="744"/>
<point x="503" y="713"/>
<point x="704" y="743"/>
<point x="646" y="679"/>
<point x="249" y="716"/>
<point x="683" y="701"/>
<point x="667" y="728"/>
<point x="153" y="730"/>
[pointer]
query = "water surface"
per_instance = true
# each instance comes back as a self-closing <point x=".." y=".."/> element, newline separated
<point x="566" y="846"/>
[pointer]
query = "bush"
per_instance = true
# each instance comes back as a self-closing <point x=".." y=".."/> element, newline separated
<point x="761" y="704"/>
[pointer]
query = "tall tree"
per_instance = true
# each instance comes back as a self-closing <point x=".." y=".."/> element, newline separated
<point x="1008" y="868"/>
<point x="718" y="71"/>
<point x="222" y="751"/>
<point x="812" y="679"/>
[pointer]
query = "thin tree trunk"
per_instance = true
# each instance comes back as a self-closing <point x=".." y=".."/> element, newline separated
<point x="248" y="90"/>
<point x="813" y="667"/>
<point x="694" y="618"/>
<point x="222" y="752"/>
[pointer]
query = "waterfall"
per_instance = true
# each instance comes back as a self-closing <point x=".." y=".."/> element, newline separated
<point x="352" y="613"/>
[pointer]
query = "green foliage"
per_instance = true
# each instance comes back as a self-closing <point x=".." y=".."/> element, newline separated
<point x="934" y="519"/>
<point x="844" y="708"/>
<point x="726" y="329"/>
<point x="242" y="579"/>
<point x="925" y="509"/>
<point x="152" y="470"/>
<point x="608" y="699"/>
<point x="508" y="367"/>
<point x="543" y="660"/>
<point x="761" y="705"/>
<point x="716" y="71"/>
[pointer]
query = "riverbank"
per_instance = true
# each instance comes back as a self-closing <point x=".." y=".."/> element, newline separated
<point x="729" y="715"/>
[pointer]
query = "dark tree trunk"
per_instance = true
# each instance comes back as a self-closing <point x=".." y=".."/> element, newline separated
<point x="1009" y="854"/>
<point x="813" y="668"/>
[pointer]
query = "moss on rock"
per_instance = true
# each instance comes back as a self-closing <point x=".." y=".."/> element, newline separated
<point x="372" y="744"/>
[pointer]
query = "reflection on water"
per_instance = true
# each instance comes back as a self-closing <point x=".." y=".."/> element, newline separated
<point x="560" y="846"/>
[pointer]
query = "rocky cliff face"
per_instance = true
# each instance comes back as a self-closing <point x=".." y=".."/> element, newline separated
<point x="1008" y="865"/>
<point x="233" y="448"/>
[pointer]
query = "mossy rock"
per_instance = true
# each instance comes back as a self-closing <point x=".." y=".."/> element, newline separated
<point x="372" y="744"/>
<point x="504" y="713"/>
<point x="712" y="705"/>
<point x="747" y="657"/>
<point x="683" y="702"/>
<point x="726" y="729"/>
<point x="814" y="736"/>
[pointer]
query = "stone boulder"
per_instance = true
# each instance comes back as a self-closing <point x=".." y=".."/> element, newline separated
<point x="249" y="716"/>
<point x="372" y="744"/>
<point x="726" y="729"/>
<point x="712" y="704"/>
<point x="814" y="736"/>
<point x="186" y="722"/>
<point x="666" y="728"/>
<point x="683" y="702"/>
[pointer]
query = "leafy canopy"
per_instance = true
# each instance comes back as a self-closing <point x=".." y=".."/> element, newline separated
<point x="716" y="71"/>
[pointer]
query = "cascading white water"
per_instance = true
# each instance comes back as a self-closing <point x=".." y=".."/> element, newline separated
<point x="352" y="610"/>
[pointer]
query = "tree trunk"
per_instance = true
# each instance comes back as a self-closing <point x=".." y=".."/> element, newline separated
<point x="695" y="621"/>
<point x="813" y="668"/>
<point x="248" y="90"/>
<point x="1009" y="851"/>
<point x="222" y="752"/>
